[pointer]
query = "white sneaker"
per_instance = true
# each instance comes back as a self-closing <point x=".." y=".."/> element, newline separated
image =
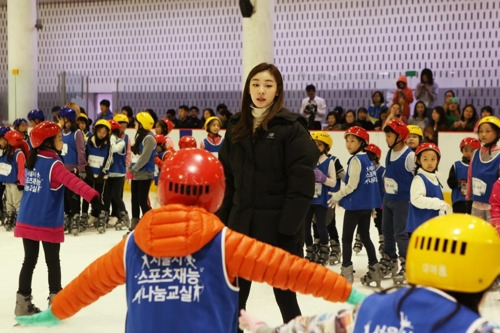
<point x="112" y="221"/>
<point x="92" y="220"/>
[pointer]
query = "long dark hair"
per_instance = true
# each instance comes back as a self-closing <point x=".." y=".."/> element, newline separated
<point x="47" y="144"/>
<point x="474" y="114"/>
<point x="430" y="76"/>
<point x="139" y="136"/>
<point x="415" y="113"/>
<point x="442" y="117"/>
<point x="244" y="126"/>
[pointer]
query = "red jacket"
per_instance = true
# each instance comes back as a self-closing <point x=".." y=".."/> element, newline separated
<point x="495" y="206"/>
<point x="406" y="97"/>
<point x="178" y="230"/>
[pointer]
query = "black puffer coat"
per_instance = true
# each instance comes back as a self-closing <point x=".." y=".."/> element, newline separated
<point x="270" y="181"/>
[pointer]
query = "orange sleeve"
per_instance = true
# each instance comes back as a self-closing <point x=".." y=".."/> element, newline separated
<point x="158" y="162"/>
<point x="257" y="261"/>
<point x="98" y="279"/>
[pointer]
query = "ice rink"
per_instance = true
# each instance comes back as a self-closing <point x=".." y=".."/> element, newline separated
<point x="108" y="313"/>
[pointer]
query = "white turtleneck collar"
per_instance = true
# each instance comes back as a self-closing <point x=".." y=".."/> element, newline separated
<point x="258" y="115"/>
<point x="432" y="176"/>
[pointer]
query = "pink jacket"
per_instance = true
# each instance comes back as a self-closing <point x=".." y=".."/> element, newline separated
<point x="495" y="205"/>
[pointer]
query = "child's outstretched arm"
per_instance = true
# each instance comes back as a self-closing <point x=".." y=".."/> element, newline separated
<point x="250" y="259"/>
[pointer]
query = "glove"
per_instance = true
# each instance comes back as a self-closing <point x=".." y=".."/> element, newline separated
<point x="20" y="187"/>
<point x="331" y="201"/>
<point x="445" y="209"/>
<point x="374" y="214"/>
<point x="249" y="322"/>
<point x="355" y="297"/>
<point x="319" y="177"/>
<point x="97" y="203"/>
<point x="45" y="318"/>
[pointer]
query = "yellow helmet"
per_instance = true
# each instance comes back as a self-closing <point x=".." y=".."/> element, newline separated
<point x="455" y="252"/>
<point x="120" y="118"/>
<point x="103" y="122"/>
<point x="323" y="137"/>
<point x="145" y="120"/>
<point x="489" y="119"/>
<point x="209" y="119"/>
<point x="414" y="129"/>
<point x="83" y="115"/>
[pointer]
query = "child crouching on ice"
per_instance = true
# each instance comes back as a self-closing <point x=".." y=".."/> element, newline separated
<point x="184" y="235"/>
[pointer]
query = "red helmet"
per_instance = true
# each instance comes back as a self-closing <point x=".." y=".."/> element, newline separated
<point x="160" y="139"/>
<point x="14" y="138"/>
<point x="42" y="131"/>
<point x="398" y="127"/>
<point x="427" y="146"/>
<point x="374" y="149"/>
<point x="360" y="132"/>
<point x="114" y="125"/>
<point x="193" y="177"/>
<point x="187" y="142"/>
<point x="470" y="142"/>
<point x="170" y="125"/>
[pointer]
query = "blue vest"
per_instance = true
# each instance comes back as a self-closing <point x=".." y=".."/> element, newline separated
<point x="461" y="169"/>
<point x="68" y="153"/>
<point x="8" y="170"/>
<point x="321" y="195"/>
<point x="180" y="294"/>
<point x="366" y="195"/>
<point x="212" y="147"/>
<point x="118" y="164"/>
<point x="417" y="216"/>
<point x="419" y="312"/>
<point x="40" y="205"/>
<point x="97" y="157"/>
<point x="150" y="165"/>
<point x="380" y="179"/>
<point x="397" y="179"/>
<point x="484" y="176"/>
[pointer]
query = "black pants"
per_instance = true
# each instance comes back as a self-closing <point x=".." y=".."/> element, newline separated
<point x="361" y="219"/>
<point x="71" y="202"/>
<point x="378" y="220"/>
<point x="99" y="186"/>
<point x="464" y="207"/>
<point x="113" y="196"/>
<point x="140" y="197"/>
<point x="286" y="299"/>
<point x="319" y="212"/>
<point x="31" y="249"/>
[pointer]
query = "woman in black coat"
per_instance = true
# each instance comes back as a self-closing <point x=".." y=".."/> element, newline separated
<point x="268" y="157"/>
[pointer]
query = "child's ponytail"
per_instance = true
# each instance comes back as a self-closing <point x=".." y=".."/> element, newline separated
<point x="31" y="160"/>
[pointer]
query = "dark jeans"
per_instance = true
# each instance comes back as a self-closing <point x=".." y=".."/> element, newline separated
<point x="394" y="217"/>
<point x="140" y="197"/>
<point x="31" y="249"/>
<point x="286" y="299"/>
<point x="113" y="196"/>
<point x="361" y="219"/>
<point x="319" y="212"/>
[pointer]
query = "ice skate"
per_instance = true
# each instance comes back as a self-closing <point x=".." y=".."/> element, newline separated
<point x="124" y="221"/>
<point x="348" y="273"/>
<point x="50" y="298"/>
<point x="400" y="277"/>
<point x="112" y="221"/>
<point x="133" y="222"/>
<point x="24" y="306"/>
<point x="311" y="253"/>
<point x="101" y="223"/>
<point x="75" y="225"/>
<point x="84" y="221"/>
<point x="323" y="254"/>
<point x="10" y="222"/>
<point x="3" y="217"/>
<point x="388" y="266"/>
<point x="358" y="245"/>
<point x="334" y="252"/>
<point x="67" y="223"/>
<point x="373" y="275"/>
<point x="92" y="221"/>
<point x="381" y="244"/>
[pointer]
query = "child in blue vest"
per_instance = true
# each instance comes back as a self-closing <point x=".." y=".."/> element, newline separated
<point x="426" y="199"/>
<point x="399" y="168"/>
<point x="35" y="117"/>
<point x="21" y="125"/>
<point x="43" y="189"/>
<point x="84" y="125"/>
<point x="447" y="286"/>
<point x="213" y="141"/>
<point x="358" y="197"/>
<point x="143" y="170"/>
<point x="74" y="159"/>
<point x="164" y="127"/>
<point x="325" y="179"/>
<point x="113" y="191"/>
<point x="99" y="157"/>
<point x="375" y="154"/>
<point x="3" y="213"/>
<point x="14" y="153"/>
<point x="484" y="167"/>
<point x="415" y="137"/>
<point x="457" y="179"/>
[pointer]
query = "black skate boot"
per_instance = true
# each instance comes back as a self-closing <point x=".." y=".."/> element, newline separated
<point x="75" y="225"/>
<point x="323" y="254"/>
<point x="124" y="221"/>
<point x="334" y="252"/>
<point x="11" y="221"/>
<point x="400" y="278"/>
<point x="101" y="223"/>
<point x="3" y="217"/>
<point x="373" y="275"/>
<point x="84" y="221"/>
<point x="381" y="244"/>
<point x="388" y="266"/>
<point x="358" y="245"/>
<point x="67" y="223"/>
